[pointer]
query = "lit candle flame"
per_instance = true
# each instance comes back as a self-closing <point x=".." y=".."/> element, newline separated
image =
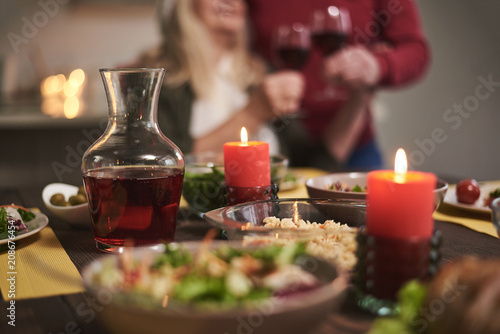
<point x="244" y="136"/>
<point x="400" y="166"/>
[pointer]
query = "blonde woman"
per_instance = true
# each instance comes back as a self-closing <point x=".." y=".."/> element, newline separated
<point x="214" y="86"/>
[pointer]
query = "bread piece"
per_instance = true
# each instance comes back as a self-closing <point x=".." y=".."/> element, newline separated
<point x="464" y="298"/>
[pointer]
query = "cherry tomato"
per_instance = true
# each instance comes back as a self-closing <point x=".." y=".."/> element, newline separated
<point x="468" y="191"/>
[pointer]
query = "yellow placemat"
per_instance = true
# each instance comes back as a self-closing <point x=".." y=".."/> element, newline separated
<point x="183" y="203"/>
<point x="480" y="222"/>
<point x="301" y="191"/>
<point x="41" y="268"/>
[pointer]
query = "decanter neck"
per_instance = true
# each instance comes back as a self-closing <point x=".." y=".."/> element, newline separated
<point x="132" y="94"/>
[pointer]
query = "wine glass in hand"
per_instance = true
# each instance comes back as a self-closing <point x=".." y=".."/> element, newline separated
<point x="291" y="46"/>
<point x="330" y="29"/>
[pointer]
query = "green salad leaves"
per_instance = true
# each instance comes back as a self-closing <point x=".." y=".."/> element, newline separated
<point x="4" y="223"/>
<point x="411" y="298"/>
<point x="223" y="277"/>
<point x="202" y="190"/>
<point x="173" y="256"/>
<point x="26" y="216"/>
<point x="5" y="232"/>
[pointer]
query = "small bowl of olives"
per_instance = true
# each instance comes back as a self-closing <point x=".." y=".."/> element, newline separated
<point x="67" y="202"/>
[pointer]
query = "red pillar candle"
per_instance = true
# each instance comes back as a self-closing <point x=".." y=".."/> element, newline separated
<point x="400" y="203"/>
<point x="247" y="163"/>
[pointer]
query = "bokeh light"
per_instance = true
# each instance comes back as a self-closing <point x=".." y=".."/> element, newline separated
<point x="71" y="87"/>
<point x="71" y="106"/>
<point x="78" y="75"/>
<point x="61" y="94"/>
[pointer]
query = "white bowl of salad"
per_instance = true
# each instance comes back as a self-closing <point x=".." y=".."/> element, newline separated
<point x="214" y="288"/>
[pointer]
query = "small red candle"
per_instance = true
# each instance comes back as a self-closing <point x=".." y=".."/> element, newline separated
<point x="247" y="164"/>
<point x="400" y="203"/>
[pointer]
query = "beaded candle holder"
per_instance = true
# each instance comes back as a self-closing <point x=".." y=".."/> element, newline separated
<point x="237" y="195"/>
<point x="386" y="264"/>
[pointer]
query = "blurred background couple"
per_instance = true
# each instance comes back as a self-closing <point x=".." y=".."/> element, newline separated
<point x="224" y="72"/>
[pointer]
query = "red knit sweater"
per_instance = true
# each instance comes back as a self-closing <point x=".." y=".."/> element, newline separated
<point x="394" y="22"/>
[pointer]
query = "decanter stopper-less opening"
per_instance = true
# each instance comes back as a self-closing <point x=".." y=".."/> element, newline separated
<point x="133" y="174"/>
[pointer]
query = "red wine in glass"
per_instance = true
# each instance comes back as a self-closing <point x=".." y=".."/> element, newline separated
<point x="328" y="42"/>
<point x="292" y="57"/>
<point x="291" y="45"/>
<point x="330" y="28"/>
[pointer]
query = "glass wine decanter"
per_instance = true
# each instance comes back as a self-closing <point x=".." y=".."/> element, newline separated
<point x="133" y="174"/>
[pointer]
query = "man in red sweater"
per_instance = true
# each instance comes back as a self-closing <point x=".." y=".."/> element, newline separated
<point x="386" y="48"/>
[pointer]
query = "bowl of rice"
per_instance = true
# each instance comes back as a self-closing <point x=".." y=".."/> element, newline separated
<point x="328" y="226"/>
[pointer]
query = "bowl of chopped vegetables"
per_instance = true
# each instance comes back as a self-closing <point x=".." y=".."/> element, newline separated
<point x="219" y="287"/>
<point x="204" y="175"/>
<point x="353" y="186"/>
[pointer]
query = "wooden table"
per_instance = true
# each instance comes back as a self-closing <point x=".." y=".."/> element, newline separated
<point x="73" y="313"/>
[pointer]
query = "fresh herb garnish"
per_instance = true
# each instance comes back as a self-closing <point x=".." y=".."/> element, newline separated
<point x="495" y="193"/>
<point x="4" y="222"/>
<point x="4" y="225"/>
<point x="26" y="216"/>
<point x="357" y="189"/>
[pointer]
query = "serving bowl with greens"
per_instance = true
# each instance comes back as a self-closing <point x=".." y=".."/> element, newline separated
<point x="204" y="175"/>
<point x="215" y="288"/>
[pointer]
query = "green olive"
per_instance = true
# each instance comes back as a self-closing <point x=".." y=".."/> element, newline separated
<point x="57" y="199"/>
<point x="81" y="190"/>
<point x="77" y="199"/>
<point x="81" y="198"/>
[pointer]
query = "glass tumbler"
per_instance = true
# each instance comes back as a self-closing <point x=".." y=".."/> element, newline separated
<point x="133" y="174"/>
